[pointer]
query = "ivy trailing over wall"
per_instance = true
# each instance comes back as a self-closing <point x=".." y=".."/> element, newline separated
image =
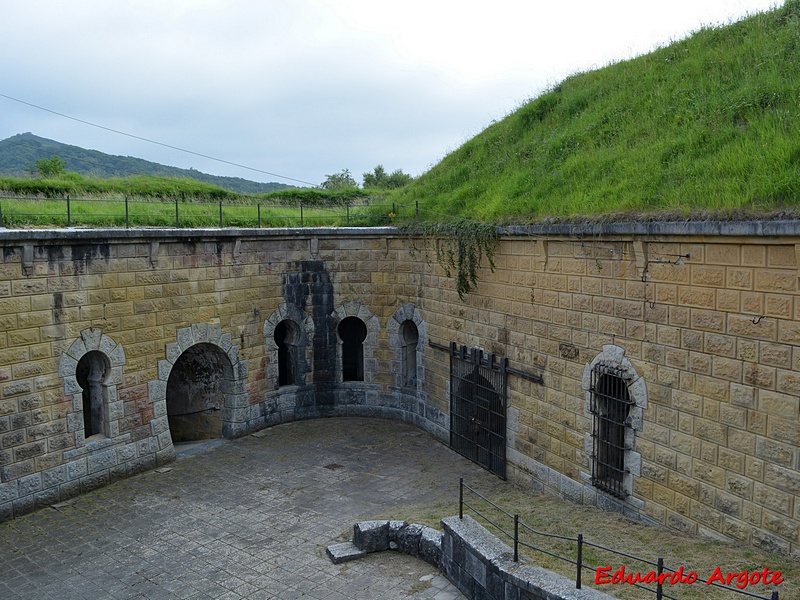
<point x="460" y="247"/>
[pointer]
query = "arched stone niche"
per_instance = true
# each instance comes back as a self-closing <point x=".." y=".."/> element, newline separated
<point x="298" y="338"/>
<point x="403" y="326"/>
<point x="369" y="344"/>
<point x="614" y="356"/>
<point x="225" y="370"/>
<point x="97" y="360"/>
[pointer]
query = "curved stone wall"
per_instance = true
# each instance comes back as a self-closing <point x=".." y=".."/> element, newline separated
<point x="702" y="319"/>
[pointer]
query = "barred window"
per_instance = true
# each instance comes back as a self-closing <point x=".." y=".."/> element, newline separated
<point x="610" y="407"/>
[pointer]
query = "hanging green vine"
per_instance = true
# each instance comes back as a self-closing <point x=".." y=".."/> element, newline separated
<point x="460" y="247"/>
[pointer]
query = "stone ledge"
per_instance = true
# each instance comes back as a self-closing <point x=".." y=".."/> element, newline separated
<point x="473" y="559"/>
<point x="376" y="536"/>
<point x="342" y="553"/>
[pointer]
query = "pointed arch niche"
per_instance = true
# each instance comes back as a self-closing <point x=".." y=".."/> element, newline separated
<point x="288" y="334"/>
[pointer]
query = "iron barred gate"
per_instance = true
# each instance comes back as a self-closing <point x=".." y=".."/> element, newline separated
<point x="478" y="396"/>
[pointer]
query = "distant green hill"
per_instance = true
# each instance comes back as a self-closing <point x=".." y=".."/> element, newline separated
<point x="709" y="123"/>
<point x="18" y="153"/>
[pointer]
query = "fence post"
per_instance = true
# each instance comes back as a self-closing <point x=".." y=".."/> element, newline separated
<point x="220" y="214"/>
<point x="659" y="586"/>
<point x="460" y="497"/>
<point x="1" y="215"/>
<point x="177" y="222"/>
<point x="69" y="213"/>
<point x="348" y="214"/>
<point x="259" y="215"/>
<point x="417" y="206"/>
<point x="127" y="214"/>
<point x="394" y="212"/>
<point x="301" y="214"/>
<point x="774" y="595"/>
<point x="516" y="538"/>
<point x="579" y="562"/>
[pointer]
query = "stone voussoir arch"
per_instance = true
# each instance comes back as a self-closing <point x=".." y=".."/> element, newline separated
<point x="406" y="312"/>
<point x="614" y="356"/>
<point x="305" y="324"/>
<point x="235" y="411"/>
<point x="359" y="310"/>
<point x="93" y="340"/>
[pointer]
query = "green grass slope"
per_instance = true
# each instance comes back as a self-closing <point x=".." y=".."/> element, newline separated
<point x="710" y="123"/>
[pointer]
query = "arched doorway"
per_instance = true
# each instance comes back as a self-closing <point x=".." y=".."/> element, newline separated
<point x="198" y="384"/>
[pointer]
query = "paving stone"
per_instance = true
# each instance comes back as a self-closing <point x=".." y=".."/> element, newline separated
<point x="246" y="518"/>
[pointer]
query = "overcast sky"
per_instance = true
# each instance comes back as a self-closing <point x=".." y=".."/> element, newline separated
<point x="305" y="88"/>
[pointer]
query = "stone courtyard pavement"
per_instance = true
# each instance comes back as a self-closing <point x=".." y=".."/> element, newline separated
<point x="245" y="518"/>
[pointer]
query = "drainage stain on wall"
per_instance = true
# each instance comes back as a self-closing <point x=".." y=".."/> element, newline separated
<point x="310" y="281"/>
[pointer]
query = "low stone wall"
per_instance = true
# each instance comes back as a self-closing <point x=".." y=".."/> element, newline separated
<point x="479" y="564"/>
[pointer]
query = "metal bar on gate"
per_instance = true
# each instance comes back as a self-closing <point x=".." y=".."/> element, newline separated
<point x="69" y="213"/>
<point x="516" y="538"/>
<point x="579" y="562"/>
<point x="127" y="215"/>
<point x="177" y="221"/>
<point x="220" y="214"/>
<point x="348" y="214"/>
<point x="301" y="214"/>
<point x="259" y="215"/>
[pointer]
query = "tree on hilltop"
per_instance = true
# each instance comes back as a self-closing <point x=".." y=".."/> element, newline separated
<point x="380" y="179"/>
<point x="49" y="168"/>
<point x="339" y="180"/>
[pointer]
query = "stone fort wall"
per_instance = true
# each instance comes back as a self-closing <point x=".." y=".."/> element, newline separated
<point x="700" y="321"/>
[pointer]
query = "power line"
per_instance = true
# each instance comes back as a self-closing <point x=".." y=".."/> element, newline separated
<point x="137" y="137"/>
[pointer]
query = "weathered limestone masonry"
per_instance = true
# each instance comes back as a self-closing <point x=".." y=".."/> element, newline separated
<point x="114" y="344"/>
<point x="701" y="322"/>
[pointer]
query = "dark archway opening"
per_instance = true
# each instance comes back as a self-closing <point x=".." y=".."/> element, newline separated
<point x="198" y="384"/>
<point x="353" y="332"/>
<point x="91" y="373"/>
<point x="286" y="337"/>
<point x="409" y="338"/>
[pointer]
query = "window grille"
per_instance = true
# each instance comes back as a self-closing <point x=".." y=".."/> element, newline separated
<point x="610" y="405"/>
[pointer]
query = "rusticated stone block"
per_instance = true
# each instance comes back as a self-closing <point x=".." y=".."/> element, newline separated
<point x="371" y="536"/>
